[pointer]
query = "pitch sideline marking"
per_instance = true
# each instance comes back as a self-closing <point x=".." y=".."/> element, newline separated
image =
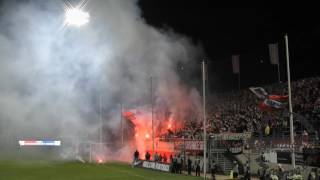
<point x="129" y="173"/>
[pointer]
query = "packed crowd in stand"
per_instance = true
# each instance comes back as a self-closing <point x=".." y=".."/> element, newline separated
<point x="239" y="112"/>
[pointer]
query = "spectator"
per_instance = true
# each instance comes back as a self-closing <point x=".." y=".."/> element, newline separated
<point x="155" y="157"/>
<point x="135" y="157"/>
<point x="175" y="164"/>
<point x="160" y="158"/>
<point x="189" y="166"/>
<point x="164" y="158"/>
<point x="213" y="169"/>
<point x="280" y="172"/>
<point x="247" y="171"/>
<point x="147" y="156"/>
<point x="179" y="164"/>
<point x="198" y="167"/>
<point x="235" y="170"/>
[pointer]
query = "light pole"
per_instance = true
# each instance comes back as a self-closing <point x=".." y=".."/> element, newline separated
<point x="151" y="89"/>
<point x="122" y="124"/>
<point x="204" y="120"/>
<point x="293" y="160"/>
<point x="100" y="119"/>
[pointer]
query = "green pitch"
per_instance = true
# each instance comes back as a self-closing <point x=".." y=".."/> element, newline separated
<point x="40" y="170"/>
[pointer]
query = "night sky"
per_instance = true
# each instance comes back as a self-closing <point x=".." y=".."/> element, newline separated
<point x="224" y="32"/>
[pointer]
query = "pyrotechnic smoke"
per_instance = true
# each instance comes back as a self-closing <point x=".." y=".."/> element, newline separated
<point x="52" y="77"/>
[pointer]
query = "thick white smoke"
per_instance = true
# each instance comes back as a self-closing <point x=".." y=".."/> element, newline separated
<point x="52" y="77"/>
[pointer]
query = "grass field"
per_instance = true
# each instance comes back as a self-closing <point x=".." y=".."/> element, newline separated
<point x="46" y="170"/>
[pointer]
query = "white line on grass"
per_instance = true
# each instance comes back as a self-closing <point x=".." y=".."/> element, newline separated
<point x="132" y="174"/>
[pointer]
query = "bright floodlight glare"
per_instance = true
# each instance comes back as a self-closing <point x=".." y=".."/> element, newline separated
<point x="76" y="17"/>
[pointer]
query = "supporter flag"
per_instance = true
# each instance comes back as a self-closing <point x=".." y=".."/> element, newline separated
<point x="270" y="105"/>
<point x="270" y="102"/>
<point x="278" y="97"/>
<point x="235" y="64"/>
<point x="274" y="53"/>
<point x="259" y="92"/>
<point x="263" y="107"/>
<point x="262" y="94"/>
<point x="273" y="103"/>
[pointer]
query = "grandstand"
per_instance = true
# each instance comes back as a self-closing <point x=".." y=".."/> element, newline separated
<point x="237" y="113"/>
<point x="97" y="90"/>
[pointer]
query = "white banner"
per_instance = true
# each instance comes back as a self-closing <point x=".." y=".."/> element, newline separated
<point x="156" y="166"/>
<point x="189" y="145"/>
<point x="194" y="145"/>
<point x="231" y="136"/>
<point x="274" y="53"/>
<point x="235" y="150"/>
<point x="39" y="143"/>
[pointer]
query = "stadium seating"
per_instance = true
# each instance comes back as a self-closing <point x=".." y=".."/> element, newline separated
<point x="238" y="112"/>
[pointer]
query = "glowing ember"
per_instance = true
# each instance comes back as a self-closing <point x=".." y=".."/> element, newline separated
<point x="100" y="161"/>
<point x="147" y="136"/>
<point x="169" y="126"/>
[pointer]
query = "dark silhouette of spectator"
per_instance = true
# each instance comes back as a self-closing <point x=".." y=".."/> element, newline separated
<point x="198" y="167"/>
<point x="147" y="156"/>
<point x="213" y="169"/>
<point x="136" y="155"/>
<point x="164" y="158"/>
<point x="235" y="170"/>
<point x="189" y="166"/>
<point x="247" y="171"/>
<point x="175" y="164"/>
<point x="160" y="158"/>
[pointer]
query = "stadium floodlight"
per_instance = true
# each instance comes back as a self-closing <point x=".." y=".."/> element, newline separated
<point x="76" y="17"/>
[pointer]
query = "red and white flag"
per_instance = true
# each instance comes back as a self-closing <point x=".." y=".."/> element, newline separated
<point x="270" y="105"/>
<point x="270" y="102"/>
<point x="278" y="97"/>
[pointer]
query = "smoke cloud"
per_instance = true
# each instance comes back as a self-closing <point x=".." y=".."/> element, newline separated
<point x="57" y="80"/>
